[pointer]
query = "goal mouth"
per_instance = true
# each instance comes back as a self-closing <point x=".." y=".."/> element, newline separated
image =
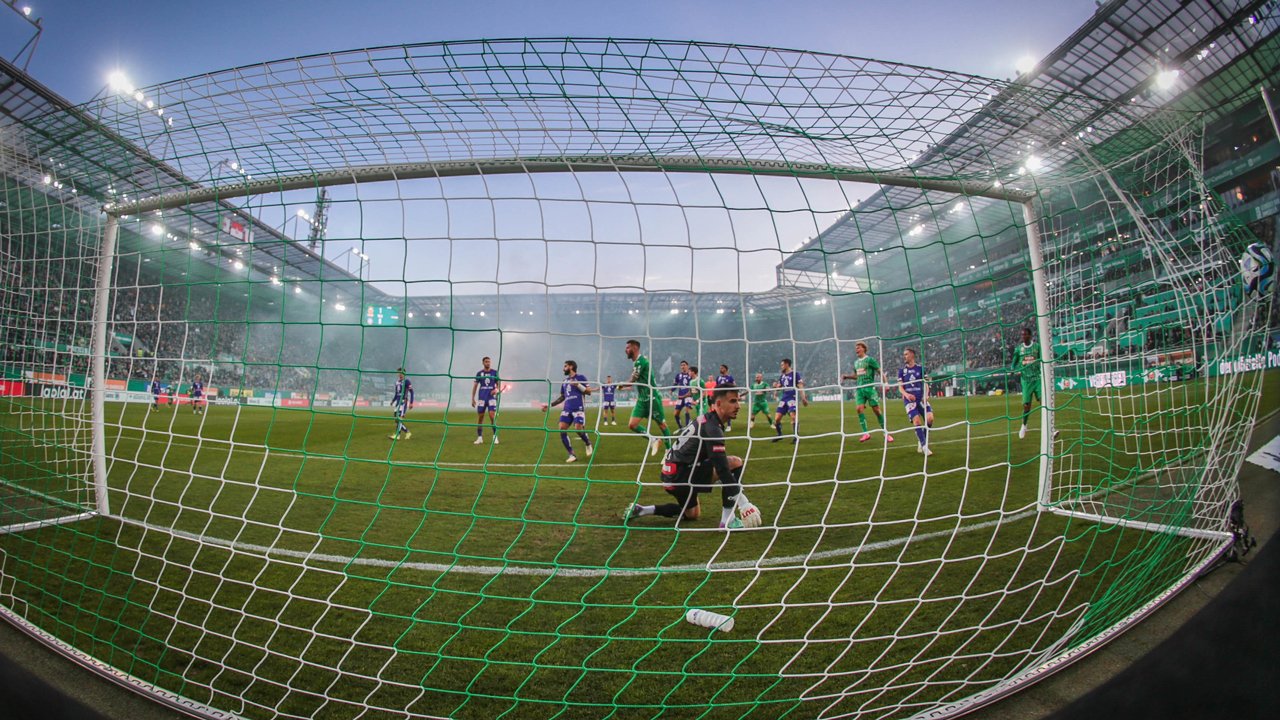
<point x="387" y="380"/>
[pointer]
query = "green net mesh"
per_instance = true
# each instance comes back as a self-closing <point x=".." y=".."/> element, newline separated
<point x="294" y="538"/>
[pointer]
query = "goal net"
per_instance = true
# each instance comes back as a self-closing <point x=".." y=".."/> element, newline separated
<point x="48" y="256"/>
<point x="368" y="366"/>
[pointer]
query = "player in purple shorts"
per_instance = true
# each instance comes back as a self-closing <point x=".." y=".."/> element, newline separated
<point x="684" y="397"/>
<point x="609" y="406"/>
<point x="915" y="398"/>
<point x="790" y="383"/>
<point x="572" y="392"/>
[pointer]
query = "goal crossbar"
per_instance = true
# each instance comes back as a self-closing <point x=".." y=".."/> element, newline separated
<point x="584" y="163"/>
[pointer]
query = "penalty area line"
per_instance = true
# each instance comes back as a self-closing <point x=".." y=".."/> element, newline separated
<point x="780" y="563"/>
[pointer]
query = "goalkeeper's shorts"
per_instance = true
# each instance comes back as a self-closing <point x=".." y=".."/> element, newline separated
<point x="684" y="482"/>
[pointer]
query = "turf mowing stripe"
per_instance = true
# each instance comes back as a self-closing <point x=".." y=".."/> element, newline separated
<point x="461" y="465"/>
<point x="490" y="570"/>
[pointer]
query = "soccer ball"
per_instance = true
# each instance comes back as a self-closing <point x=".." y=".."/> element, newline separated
<point x="1257" y="271"/>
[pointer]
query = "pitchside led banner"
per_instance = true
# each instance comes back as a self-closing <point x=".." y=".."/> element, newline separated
<point x="381" y="315"/>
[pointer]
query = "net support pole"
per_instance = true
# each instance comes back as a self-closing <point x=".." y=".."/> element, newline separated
<point x="98" y="389"/>
<point x="1271" y="110"/>
<point x="1045" y="337"/>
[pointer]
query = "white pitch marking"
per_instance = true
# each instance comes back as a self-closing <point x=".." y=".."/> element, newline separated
<point x="537" y="571"/>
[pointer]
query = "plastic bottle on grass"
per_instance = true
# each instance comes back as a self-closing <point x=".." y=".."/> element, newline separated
<point x="708" y="619"/>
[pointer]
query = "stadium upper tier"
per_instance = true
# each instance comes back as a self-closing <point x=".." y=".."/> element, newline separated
<point x="620" y="105"/>
<point x="1222" y="52"/>
<point x="56" y="149"/>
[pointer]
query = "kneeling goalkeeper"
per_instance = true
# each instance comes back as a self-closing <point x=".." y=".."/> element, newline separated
<point x="697" y="459"/>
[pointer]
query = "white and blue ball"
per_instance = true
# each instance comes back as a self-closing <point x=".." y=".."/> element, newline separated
<point x="1257" y="271"/>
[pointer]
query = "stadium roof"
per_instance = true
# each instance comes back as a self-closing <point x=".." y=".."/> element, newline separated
<point x="62" y="151"/>
<point x="1114" y="58"/>
<point x="691" y="105"/>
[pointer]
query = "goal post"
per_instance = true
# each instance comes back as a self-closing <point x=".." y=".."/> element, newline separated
<point x="98" y="384"/>
<point x="1044" y="336"/>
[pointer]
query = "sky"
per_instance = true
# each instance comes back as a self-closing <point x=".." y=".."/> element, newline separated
<point x="154" y="41"/>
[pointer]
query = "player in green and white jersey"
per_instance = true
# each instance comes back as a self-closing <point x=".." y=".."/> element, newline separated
<point x="1026" y="360"/>
<point x="648" y="404"/>
<point x="867" y="392"/>
<point x="759" y="400"/>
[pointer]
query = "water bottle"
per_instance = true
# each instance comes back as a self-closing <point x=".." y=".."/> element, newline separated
<point x="708" y="619"/>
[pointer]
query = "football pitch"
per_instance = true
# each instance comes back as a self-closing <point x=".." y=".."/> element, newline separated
<point x="300" y="562"/>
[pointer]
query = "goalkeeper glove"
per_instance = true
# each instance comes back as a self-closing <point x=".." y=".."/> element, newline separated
<point x="750" y="516"/>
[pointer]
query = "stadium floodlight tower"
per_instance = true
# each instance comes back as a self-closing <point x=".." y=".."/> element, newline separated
<point x="608" y="207"/>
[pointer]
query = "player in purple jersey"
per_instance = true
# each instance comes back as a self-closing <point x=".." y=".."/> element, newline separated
<point x="915" y="398"/>
<point x="484" y="398"/>
<point x="197" y="396"/>
<point x="724" y="379"/>
<point x="684" y="398"/>
<point x="574" y="412"/>
<point x="609" y="406"/>
<point x="790" y="383"/>
<point x="402" y="401"/>
<point x="155" y="393"/>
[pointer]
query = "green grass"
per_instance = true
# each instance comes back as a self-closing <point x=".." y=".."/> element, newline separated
<point x="295" y="562"/>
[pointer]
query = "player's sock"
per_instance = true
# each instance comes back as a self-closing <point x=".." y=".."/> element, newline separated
<point x="862" y="420"/>
<point x="666" y="434"/>
<point x="479" y="431"/>
<point x="731" y="493"/>
<point x="920" y="434"/>
<point x="564" y="439"/>
<point x="726" y="514"/>
<point x="778" y="426"/>
<point x="881" y="419"/>
<point x="585" y="440"/>
<point x="642" y="510"/>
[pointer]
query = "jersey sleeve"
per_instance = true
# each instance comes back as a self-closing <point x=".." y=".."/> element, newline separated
<point x="714" y="451"/>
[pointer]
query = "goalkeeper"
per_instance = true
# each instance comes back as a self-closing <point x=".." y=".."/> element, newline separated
<point x="695" y="461"/>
